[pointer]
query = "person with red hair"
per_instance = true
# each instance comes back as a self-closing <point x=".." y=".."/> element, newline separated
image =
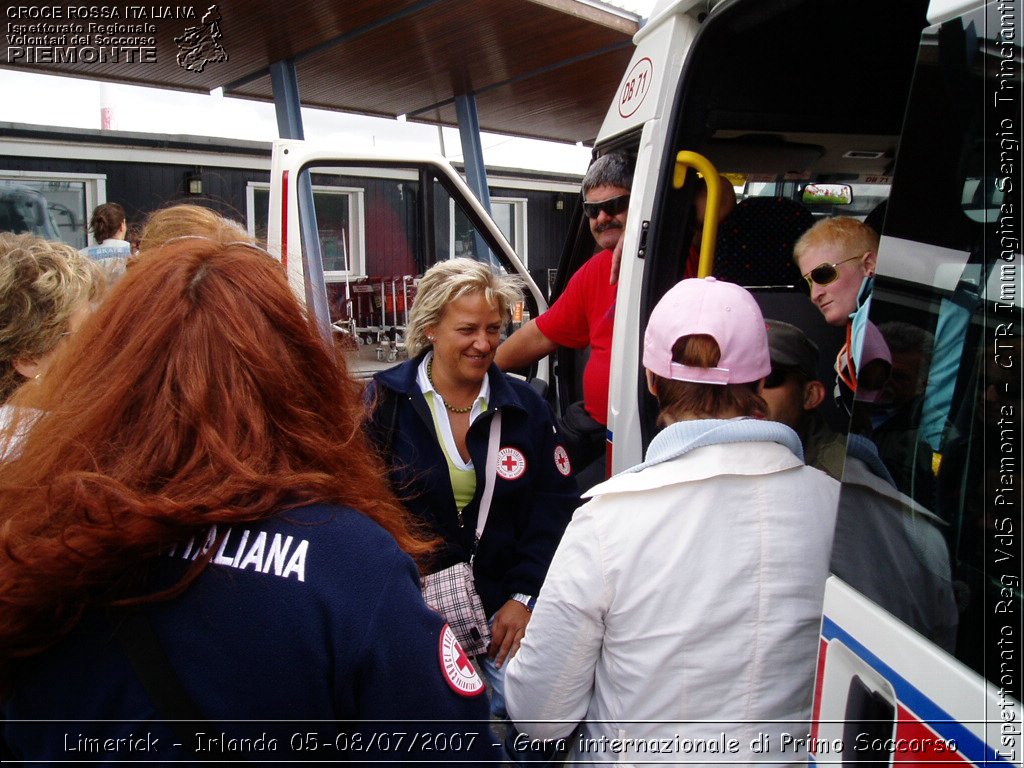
<point x="200" y="556"/>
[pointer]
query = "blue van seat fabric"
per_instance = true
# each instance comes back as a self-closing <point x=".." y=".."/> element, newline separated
<point x="755" y="243"/>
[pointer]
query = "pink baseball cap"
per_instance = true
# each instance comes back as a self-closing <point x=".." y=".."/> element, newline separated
<point x="725" y="312"/>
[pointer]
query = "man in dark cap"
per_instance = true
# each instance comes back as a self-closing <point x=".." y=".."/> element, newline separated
<point x="793" y="394"/>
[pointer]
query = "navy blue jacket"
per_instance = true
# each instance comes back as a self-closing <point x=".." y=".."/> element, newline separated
<point x="528" y="513"/>
<point x="314" y="616"/>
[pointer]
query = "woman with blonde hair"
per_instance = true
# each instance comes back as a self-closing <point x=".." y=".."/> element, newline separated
<point x="198" y="536"/>
<point x="187" y="220"/>
<point x="46" y="292"/>
<point x="474" y="453"/>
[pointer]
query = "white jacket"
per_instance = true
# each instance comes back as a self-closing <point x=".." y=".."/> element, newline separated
<point x="690" y="590"/>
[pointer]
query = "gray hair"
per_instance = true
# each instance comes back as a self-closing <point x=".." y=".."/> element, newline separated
<point x="614" y="169"/>
<point x="450" y="280"/>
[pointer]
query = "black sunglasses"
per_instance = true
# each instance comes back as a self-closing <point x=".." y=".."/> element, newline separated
<point x="612" y="206"/>
<point x="824" y="274"/>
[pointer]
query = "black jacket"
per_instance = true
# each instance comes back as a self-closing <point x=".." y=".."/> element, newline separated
<point x="528" y="513"/>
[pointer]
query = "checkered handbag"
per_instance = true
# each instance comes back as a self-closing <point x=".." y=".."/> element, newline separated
<point x="452" y="593"/>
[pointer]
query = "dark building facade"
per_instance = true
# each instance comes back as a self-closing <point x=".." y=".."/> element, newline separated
<point x="67" y="172"/>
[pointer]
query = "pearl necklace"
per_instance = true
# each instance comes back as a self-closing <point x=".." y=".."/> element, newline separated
<point x="452" y="408"/>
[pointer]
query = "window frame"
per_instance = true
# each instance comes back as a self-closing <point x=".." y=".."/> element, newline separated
<point x="520" y="207"/>
<point x="95" y="187"/>
<point x="357" y="224"/>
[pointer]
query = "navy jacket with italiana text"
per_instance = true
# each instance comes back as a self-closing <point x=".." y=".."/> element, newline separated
<point x="301" y="625"/>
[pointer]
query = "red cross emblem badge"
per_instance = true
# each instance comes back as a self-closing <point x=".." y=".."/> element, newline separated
<point x="511" y="464"/>
<point x="456" y="667"/>
<point x="562" y="463"/>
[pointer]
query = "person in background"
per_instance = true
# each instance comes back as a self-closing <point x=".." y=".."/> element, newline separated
<point x="688" y="589"/>
<point x="837" y="258"/>
<point x="47" y="289"/>
<point x="700" y="204"/>
<point x="896" y="416"/>
<point x="726" y="205"/>
<point x="198" y="536"/>
<point x="584" y="316"/>
<point x="187" y="220"/>
<point x="108" y="226"/>
<point x="793" y="394"/>
<point x="134" y="237"/>
<point x="431" y="420"/>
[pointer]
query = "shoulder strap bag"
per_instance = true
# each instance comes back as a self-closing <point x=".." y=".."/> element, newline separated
<point x="452" y="592"/>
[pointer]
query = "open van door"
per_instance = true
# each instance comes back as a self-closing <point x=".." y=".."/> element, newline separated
<point x="374" y="225"/>
<point x="774" y="118"/>
<point x="921" y="643"/>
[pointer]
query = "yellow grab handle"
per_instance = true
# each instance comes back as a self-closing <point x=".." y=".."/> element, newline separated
<point x="686" y="159"/>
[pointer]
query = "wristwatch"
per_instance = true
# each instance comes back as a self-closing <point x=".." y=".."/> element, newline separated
<point x="528" y="601"/>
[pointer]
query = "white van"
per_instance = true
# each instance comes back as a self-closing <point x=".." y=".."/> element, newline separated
<point x="922" y="641"/>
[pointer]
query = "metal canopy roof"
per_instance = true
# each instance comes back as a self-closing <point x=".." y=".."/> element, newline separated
<point x="540" y="68"/>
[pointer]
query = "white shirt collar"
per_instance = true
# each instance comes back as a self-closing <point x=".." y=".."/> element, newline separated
<point x="423" y="381"/>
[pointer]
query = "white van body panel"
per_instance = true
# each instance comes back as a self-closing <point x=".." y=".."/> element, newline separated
<point x="624" y="434"/>
<point x="662" y="46"/>
<point x="944" y="10"/>
<point x="937" y="699"/>
<point x="650" y="80"/>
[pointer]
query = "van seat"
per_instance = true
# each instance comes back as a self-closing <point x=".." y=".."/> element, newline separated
<point x="755" y="243"/>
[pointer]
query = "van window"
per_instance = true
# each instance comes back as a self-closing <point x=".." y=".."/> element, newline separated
<point x="947" y="424"/>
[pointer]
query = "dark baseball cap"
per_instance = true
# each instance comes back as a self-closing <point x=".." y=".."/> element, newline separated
<point x="789" y="346"/>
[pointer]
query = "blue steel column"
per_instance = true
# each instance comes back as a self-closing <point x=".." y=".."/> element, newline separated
<point x="473" y="157"/>
<point x="285" y="83"/>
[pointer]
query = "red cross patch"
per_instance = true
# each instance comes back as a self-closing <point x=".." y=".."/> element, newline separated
<point x="456" y="667"/>
<point x="562" y="463"/>
<point x="511" y="464"/>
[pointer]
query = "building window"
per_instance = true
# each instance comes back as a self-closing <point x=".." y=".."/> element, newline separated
<point x="509" y="213"/>
<point x="339" y="219"/>
<point x="51" y="205"/>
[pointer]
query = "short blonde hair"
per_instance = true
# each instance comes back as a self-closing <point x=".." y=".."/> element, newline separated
<point x="450" y="280"/>
<point x="852" y="236"/>
<point x="42" y="283"/>
<point x="186" y="220"/>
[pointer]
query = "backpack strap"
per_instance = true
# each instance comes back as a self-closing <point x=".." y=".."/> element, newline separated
<point x="139" y="641"/>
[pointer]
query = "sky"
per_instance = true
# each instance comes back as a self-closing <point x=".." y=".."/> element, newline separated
<point x="75" y="103"/>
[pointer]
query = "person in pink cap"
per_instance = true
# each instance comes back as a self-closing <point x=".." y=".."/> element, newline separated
<point x="681" y="609"/>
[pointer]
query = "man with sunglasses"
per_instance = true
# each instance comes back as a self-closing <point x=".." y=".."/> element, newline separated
<point x="837" y="258"/>
<point x="793" y="394"/>
<point x="583" y="316"/>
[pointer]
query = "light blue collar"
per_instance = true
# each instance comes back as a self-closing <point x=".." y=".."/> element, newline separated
<point x="862" y="448"/>
<point x="682" y="437"/>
